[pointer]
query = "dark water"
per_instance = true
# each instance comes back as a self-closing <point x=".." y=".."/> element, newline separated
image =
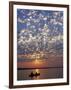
<point x="50" y="73"/>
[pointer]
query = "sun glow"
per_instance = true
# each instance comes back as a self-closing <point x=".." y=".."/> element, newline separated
<point x="37" y="61"/>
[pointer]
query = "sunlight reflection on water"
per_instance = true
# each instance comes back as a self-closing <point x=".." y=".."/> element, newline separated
<point x="50" y="73"/>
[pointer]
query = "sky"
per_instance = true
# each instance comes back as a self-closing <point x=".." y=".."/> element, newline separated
<point x="39" y="30"/>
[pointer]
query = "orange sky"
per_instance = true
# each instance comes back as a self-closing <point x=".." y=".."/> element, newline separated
<point x="51" y="62"/>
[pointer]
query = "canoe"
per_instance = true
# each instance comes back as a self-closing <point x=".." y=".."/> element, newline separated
<point x="34" y="74"/>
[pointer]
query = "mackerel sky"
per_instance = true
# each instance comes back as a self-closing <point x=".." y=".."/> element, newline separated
<point x="38" y="28"/>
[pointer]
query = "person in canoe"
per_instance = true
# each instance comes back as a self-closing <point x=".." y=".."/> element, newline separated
<point x="34" y="74"/>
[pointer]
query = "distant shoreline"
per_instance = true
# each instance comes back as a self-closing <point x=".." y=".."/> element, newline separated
<point x="38" y="68"/>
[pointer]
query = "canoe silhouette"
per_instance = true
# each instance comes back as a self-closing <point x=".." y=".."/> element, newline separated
<point x="34" y="74"/>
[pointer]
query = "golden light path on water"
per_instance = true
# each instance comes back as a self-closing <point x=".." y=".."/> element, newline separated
<point x="37" y="62"/>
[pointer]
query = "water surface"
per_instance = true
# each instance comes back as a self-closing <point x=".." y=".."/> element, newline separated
<point x="48" y="73"/>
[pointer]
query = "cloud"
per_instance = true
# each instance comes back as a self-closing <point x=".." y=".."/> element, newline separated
<point x="39" y="30"/>
<point x="55" y="22"/>
<point x="21" y="21"/>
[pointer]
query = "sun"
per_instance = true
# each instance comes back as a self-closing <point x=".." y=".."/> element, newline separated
<point x="37" y="61"/>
